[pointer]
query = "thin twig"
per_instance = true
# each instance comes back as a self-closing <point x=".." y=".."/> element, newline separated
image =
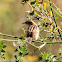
<point x="14" y="40"/>
<point x="31" y="44"/>
<point x="29" y="4"/>
<point x="55" y="20"/>
<point x="33" y="41"/>
<point x="8" y="40"/>
<point x="47" y="31"/>
<point x="43" y="14"/>
<point x="47" y="42"/>
<point x="9" y="35"/>
<point x="55" y="7"/>
<point x="56" y="11"/>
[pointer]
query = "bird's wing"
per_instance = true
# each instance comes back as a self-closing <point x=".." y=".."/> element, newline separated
<point x="31" y="30"/>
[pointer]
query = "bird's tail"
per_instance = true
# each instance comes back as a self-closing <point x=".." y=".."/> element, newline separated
<point x="29" y="39"/>
<point x="30" y="48"/>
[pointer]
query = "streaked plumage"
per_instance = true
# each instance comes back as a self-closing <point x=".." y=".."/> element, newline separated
<point x="32" y="31"/>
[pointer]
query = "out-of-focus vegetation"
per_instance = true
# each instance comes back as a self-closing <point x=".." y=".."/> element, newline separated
<point x="12" y="14"/>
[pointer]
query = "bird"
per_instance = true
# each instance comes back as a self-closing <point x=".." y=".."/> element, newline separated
<point x="32" y="31"/>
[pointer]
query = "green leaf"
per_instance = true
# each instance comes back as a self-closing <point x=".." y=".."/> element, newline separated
<point x="32" y="2"/>
<point x="40" y="35"/>
<point x="20" y="48"/>
<point x="16" y="50"/>
<point x="49" y="55"/>
<point x="32" y="13"/>
<point x="52" y="56"/>
<point x="24" y="52"/>
<point x="56" y="32"/>
<point x="2" y="50"/>
<point x="20" y="54"/>
<point x="43" y="24"/>
<point x="15" y="56"/>
<point x="1" y="42"/>
<point x="0" y="47"/>
<point x="44" y="27"/>
<point x="61" y="34"/>
<point x="45" y="56"/>
<point x="60" y="51"/>
<point x="53" y="27"/>
<point x="24" y="49"/>
<point x="36" y="0"/>
<point x="1" y="55"/>
<point x="4" y="46"/>
<point x="56" y="28"/>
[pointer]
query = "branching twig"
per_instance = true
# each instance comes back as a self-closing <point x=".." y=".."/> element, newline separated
<point x="43" y="14"/>
<point x="55" y="7"/>
<point x="56" y="11"/>
<point x="9" y="35"/>
<point x="26" y="41"/>
<point x="54" y="19"/>
<point x="31" y="44"/>
<point x="8" y="40"/>
<point x="14" y="40"/>
<point x="47" y="42"/>
<point x="29" y="4"/>
<point x="47" y="31"/>
<point x="39" y="12"/>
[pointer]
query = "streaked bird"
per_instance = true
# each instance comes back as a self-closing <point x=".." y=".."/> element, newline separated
<point x="32" y="31"/>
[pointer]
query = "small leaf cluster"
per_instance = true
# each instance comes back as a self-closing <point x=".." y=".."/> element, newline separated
<point x="48" y="57"/>
<point x="60" y="51"/>
<point x="21" y="53"/>
<point x="2" y="51"/>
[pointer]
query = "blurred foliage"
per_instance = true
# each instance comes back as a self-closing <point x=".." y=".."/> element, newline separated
<point x="21" y="52"/>
<point x="2" y="51"/>
<point x="49" y="58"/>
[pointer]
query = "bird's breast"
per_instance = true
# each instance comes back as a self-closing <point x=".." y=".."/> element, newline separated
<point x="33" y="31"/>
<point x="35" y="34"/>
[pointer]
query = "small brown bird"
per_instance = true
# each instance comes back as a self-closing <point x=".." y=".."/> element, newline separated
<point x="32" y="31"/>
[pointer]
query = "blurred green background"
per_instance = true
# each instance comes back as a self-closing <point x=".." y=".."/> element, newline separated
<point x="12" y="15"/>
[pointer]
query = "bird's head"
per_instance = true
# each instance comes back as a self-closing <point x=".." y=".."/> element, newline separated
<point x="29" y="22"/>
